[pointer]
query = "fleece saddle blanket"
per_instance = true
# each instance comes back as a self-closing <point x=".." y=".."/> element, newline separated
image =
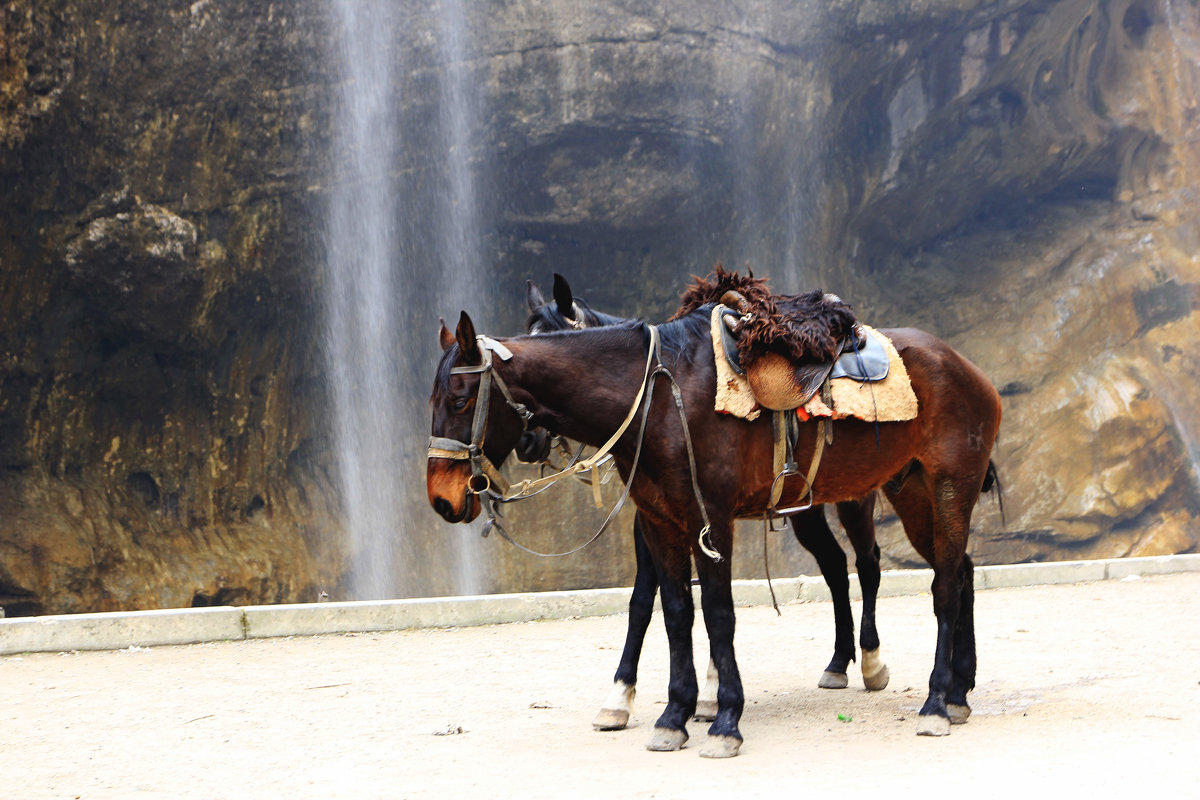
<point x="874" y="399"/>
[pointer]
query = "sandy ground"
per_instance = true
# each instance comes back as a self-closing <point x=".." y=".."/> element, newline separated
<point x="1091" y="688"/>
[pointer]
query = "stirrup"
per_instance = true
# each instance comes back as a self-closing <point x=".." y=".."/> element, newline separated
<point x="775" y="513"/>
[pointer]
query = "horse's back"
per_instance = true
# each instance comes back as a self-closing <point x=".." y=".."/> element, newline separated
<point x="947" y="384"/>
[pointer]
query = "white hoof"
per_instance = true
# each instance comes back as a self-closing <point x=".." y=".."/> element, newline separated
<point x="958" y="714"/>
<point x="875" y="672"/>
<point x="877" y="682"/>
<point x="665" y="739"/>
<point x="614" y="714"/>
<point x="833" y="680"/>
<point x="611" y="719"/>
<point x="720" y="747"/>
<point x="933" y="725"/>
<point x="706" y="711"/>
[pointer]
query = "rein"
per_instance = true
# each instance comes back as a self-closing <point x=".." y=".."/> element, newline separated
<point x="491" y="487"/>
<point x="528" y="488"/>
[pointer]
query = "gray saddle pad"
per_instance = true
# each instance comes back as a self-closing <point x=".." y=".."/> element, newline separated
<point x="869" y="363"/>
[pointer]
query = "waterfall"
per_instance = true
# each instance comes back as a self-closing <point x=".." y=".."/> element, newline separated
<point x="385" y="231"/>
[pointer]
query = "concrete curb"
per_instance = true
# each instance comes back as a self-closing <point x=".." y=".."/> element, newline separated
<point x="115" y="631"/>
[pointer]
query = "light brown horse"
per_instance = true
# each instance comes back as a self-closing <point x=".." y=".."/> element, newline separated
<point x="582" y="384"/>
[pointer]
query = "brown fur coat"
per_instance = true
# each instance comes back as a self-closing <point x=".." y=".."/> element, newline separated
<point x="804" y="328"/>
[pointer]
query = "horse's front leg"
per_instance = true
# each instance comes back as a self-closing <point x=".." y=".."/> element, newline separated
<point x="614" y="715"/>
<point x="724" y="738"/>
<point x="673" y="564"/>
<point x="813" y="532"/>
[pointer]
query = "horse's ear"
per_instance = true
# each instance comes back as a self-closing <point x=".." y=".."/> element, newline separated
<point x="533" y="296"/>
<point x="445" y="336"/>
<point x="563" y="297"/>
<point x="468" y="345"/>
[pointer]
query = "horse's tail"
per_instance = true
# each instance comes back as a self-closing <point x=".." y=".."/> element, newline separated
<point x="991" y="480"/>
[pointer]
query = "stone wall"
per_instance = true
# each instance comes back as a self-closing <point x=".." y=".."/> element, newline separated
<point x="1016" y="177"/>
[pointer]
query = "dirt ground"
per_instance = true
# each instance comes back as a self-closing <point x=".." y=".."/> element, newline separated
<point x="1094" y="688"/>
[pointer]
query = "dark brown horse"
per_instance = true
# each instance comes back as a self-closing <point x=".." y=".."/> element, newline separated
<point x="582" y="384"/>
<point x="564" y="311"/>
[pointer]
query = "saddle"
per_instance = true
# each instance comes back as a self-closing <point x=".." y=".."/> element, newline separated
<point x="781" y="383"/>
<point x="781" y="352"/>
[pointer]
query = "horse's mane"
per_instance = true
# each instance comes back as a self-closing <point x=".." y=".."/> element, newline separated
<point x="679" y="334"/>
<point x="809" y="327"/>
<point x="710" y="290"/>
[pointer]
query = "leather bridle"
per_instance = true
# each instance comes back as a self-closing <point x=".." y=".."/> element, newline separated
<point x="485" y="477"/>
<point x="491" y="487"/>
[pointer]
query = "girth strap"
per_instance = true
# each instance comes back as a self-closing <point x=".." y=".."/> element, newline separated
<point x="784" y="463"/>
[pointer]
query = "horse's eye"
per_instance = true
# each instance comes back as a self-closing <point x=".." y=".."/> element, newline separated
<point x="460" y="403"/>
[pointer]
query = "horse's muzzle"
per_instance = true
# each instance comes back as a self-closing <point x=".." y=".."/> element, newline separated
<point x="447" y="484"/>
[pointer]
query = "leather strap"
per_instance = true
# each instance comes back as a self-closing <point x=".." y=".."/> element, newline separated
<point x="784" y="466"/>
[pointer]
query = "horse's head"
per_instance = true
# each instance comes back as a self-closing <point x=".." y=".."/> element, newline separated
<point x="560" y="314"/>
<point x="566" y="312"/>
<point x="474" y="428"/>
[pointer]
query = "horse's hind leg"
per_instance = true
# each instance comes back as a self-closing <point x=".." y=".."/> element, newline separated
<point x="614" y="715"/>
<point x="858" y="518"/>
<point x="936" y="519"/>
<point x="964" y="648"/>
<point x="813" y="532"/>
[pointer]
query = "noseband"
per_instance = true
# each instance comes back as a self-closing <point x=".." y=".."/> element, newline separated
<point x="485" y="478"/>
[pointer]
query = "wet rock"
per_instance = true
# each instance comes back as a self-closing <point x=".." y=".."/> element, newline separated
<point x="1017" y="178"/>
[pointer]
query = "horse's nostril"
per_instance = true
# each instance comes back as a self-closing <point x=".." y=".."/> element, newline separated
<point x="443" y="507"/>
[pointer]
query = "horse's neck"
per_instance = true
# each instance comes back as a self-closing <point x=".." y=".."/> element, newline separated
<point x="580" y="385"/>
<point x="606" y="320"/>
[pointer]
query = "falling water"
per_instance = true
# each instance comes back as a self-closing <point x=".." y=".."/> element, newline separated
<point x="458" y="213"/>
<point x="376" y="265"/>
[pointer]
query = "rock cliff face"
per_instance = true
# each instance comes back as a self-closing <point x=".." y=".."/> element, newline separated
<point x="1016" y="177"/>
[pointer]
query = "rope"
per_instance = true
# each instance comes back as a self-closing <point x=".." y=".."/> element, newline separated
<point x="449" y="448"/>
<point x="611" y="514"/>
<point x="526" y="487"/>
<point x="767" y="563"/>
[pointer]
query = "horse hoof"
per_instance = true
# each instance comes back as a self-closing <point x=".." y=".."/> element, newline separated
<point x="958" y="714"/>
<point x="833" y="680"/>
<point x="665" y="739"/>
<point x="721" y="747"/>
<point x="874" y="671"/>
<point x="706" y="711"/>
<point x="879" y="681"/>
<point x="933" y="725"/>
<point x="611" y="719"/>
